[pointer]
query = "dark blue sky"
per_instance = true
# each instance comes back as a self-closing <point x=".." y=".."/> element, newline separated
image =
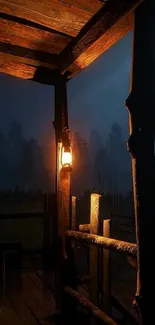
<point x="96" y="97"/>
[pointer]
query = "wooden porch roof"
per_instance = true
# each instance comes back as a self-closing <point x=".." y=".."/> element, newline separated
<point x="63" y="34"/>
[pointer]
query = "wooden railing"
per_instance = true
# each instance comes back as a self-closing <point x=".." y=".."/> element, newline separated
<point x="46" y="214"/>
<point x="96" y="235"/>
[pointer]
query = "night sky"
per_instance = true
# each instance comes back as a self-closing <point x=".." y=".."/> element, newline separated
<point x="96" y="97"/>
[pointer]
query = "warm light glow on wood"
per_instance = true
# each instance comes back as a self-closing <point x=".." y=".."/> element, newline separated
<point x="66" y="157"/>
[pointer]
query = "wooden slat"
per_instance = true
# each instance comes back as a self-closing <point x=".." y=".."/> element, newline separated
<point x="16" y="67"/>
<point x="31" y="37"/>
<point x="35" y="306"/>
<point x="88" y="5"/>
<point x="38" y="294"/>
<point x="112" y="22"/>
<point x="41" y="58"/>
<point x="21" y="308"/>
<point x="51" y="13"/>
<point x="9" y="317"/>
<point x="43" y="285"/>
<point x="27" y="68"/>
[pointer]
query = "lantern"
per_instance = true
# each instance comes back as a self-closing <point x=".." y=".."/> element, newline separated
<point x="66" y="158"/>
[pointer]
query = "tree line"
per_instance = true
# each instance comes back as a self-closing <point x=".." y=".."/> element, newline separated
<point x="98" y="164"/>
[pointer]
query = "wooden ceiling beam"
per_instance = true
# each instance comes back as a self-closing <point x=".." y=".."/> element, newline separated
<point x="36" y="58"/>
<point x="88" y="5"/>
<point x="31" y="37"/>
<point x="35" y="25"/>
<point x="26" y="69"/>
<point x="114" y="20"/>
<point x="53" y="14"/>
<point x="16" y="68"/>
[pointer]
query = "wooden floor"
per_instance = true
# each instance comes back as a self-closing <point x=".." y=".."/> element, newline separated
<point x="26" y="300"/>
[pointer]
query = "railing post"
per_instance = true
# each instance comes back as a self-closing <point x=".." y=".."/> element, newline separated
<point x="94" y="251"/>
<point x="140" y="104"/>
<point x="106" y="270"/>
<point x="73" y="213"/>
<point x="46" y="232"/>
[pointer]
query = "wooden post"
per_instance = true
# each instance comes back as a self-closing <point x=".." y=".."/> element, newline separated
<point x="46" y="232"/>
<point x="94" y="251"/>
<point x="141" y="146"/>
<point x="64" y="268"/>
<point x="73" y="212"/>
<point x="106" y="270"/>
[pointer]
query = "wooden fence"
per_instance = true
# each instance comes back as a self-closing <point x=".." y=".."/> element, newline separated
<point x="96" y="235"/>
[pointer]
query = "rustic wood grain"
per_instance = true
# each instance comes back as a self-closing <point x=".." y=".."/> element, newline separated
<point x="94" y="252"/>
<point x="31" y="37"/>
<point x="88" y="5"/>
<point x="53" y="14"/>
<point x="27" y="69"/>
<point x="28" y="56"/>
<point x="16" y="66"/>
<point x="110" y="24"/>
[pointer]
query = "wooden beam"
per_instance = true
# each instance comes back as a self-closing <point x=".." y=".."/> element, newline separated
<point x="31" y="37"/>
<point x="42" y="57"/>
<point x="29" y="23"/>
<point x="114" y="20"/>
<point x="27" y="69"/>
<point x="88" y="5"/>
<point x="52" y="13"/>
<point x="9" y="65"/>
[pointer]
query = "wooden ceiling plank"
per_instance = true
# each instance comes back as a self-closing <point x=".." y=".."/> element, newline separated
<point x="105" y="28"/>
<point x="41" y="58"/>
<point x="30" y="37"/>
<point x="27" y="69"/>
<point x="51" y="13"/>
<point x="30" y="23"/>
<point x="15" y="68"/>
<point x="88" y="5"/>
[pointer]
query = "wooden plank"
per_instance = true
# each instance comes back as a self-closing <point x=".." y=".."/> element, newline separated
<point x="51" y="13"/>
<point x="21" y="308"/>
<point x="27" y="69"/>
<point x="43" y="285"/>
<point x="16" y="67"/>
<point x="41" y="314"/>
<point x="107" y="26"/>
<point x="35" y="57"/>
<point x="31" y="37"/>
<point x="38" y="294"/>
<point x="9" y="317"/>
<point x="88" y="5"/>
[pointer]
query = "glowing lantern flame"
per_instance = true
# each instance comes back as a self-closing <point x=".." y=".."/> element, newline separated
<point x="66" y="157"/>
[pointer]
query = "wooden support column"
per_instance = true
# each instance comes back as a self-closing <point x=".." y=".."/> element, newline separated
<point x="141" y="105"/>
<point x="64" y="269"/>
